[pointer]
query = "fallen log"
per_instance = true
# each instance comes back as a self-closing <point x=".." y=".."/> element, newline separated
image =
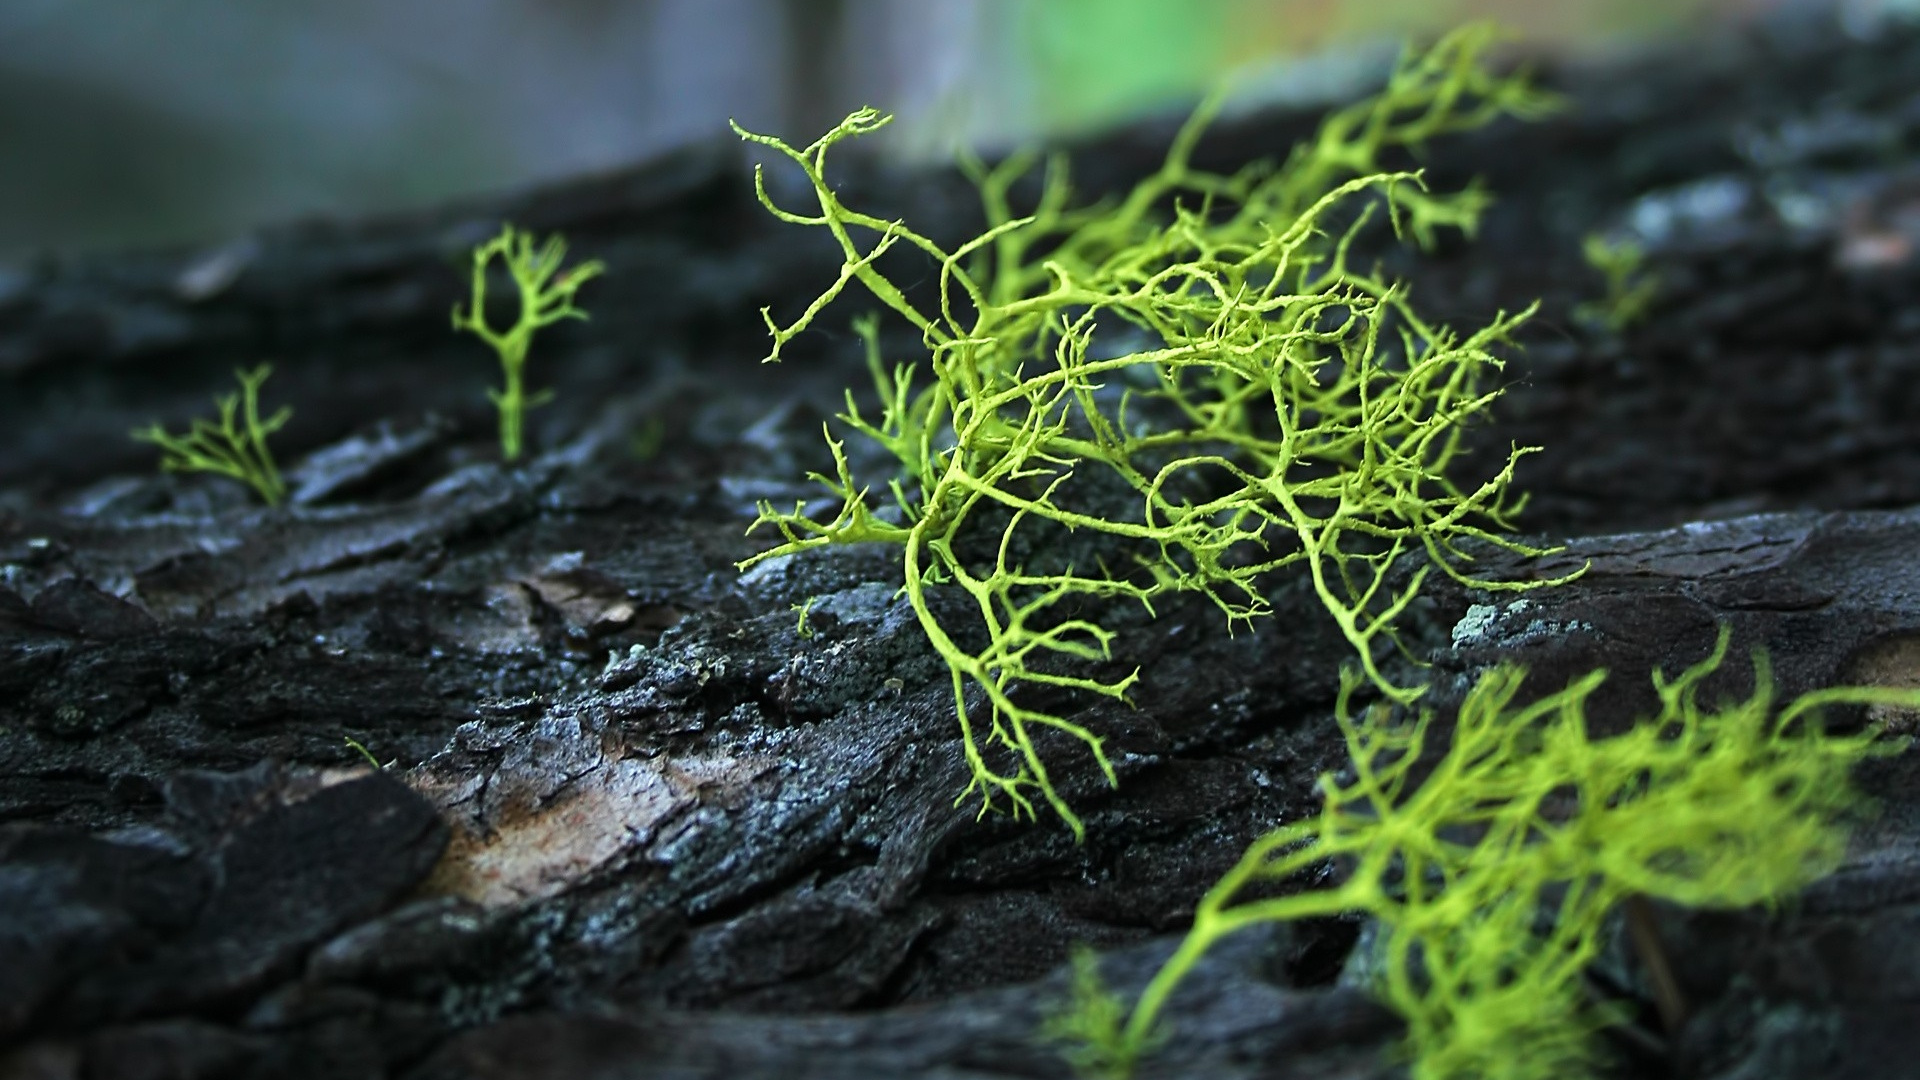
<point x="623" y="818"/>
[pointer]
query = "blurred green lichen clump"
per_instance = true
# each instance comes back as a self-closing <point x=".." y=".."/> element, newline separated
<point x="1492" y="877"/>
<point x="1630" y="287"/>
<point x="238" y="450"/>
<point x="543" y="300"/>
<point x="1197" y="376"/>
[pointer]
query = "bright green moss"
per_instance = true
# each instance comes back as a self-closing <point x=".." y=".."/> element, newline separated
<point x="1205" y="346"/>
<point x="543" y="300"/>
<point x="235" y="447"/>
<point x="1492" y="878"/>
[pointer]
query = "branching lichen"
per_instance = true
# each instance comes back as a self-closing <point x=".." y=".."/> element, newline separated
<point x="1205" y="345"/>
<point x="1630" y="286"/>
<point x="543" y="300"/>
<point x="1491" y="879"/>
<point x="1090" y="1027"/>
<point x="234" y="447"/>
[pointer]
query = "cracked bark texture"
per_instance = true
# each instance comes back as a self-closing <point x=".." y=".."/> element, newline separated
<point x="632" y="824"/>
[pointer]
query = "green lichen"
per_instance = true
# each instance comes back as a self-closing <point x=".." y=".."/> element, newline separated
<point x="646" y="440"/>
<point x="1204" y="346"/>
<point x="1090" y="1028"/>
<point x="1630" y="286"/>
<point x="235" y="447"/>
<point x="361" y="748"/>
<point x="543" y="300"/>
<point x="1493" y="877"/>
<point x="801" y="628"/>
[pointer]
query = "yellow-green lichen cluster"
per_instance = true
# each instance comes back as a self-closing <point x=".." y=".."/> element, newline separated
<point x="1208" y="348"/>
<point x="1277" y="405"/>
<point x="1492" y="877"/>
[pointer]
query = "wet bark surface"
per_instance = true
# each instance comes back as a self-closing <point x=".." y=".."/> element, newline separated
<point x="629" y="822"/>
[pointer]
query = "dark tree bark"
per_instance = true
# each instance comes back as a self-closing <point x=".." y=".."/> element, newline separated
<point x="632" y="824"/>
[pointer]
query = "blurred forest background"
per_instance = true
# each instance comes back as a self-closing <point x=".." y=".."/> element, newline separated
<point x="142" y="122"/>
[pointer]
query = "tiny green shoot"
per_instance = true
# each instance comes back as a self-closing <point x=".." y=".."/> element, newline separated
<point x="1089" y="1029"/>
<point x="364" y="752"/>
<point x="544" y="300"/>
<point x="235" y="447"/>
<point x="1630" y="286"/>
<point x="644" y="443"/>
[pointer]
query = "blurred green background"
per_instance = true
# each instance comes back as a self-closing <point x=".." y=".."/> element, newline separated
<point x="1090" y="61"/>
<point x="141" y="122"/>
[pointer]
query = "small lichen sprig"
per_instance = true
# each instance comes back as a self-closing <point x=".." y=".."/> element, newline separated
<point x="236" y="446"/>
<point x="1492" y="878"/>
<point x="1630" y="286"/>
<point x="1089" y="1027"/>
<point x="1275" y="406"/>
<point x="543" y="300"/>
